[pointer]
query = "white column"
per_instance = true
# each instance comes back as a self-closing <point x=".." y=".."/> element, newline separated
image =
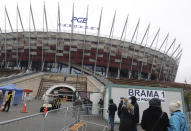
<point x="110" y="36"/>
<point x="98" y="40"/>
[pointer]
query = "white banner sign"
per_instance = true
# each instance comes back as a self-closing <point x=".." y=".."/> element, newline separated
<point x="144" y="95"/>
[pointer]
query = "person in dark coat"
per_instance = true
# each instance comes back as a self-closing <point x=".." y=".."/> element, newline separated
<point x="112" y="109"/>
<point x="153" y="119"/>
<point x="77" y="104"/>
<point x="100" y="103"/>
<point x="120" y="107"/>
<point x="136" y="112"/>
<point x="126" y="117"/>
<point x="86" y="105"/>
<point x="90" y="104"/>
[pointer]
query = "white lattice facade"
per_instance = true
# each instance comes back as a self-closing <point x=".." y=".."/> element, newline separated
<point x="121" y="58"/>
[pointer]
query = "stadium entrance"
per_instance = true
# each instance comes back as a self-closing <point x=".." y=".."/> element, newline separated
<point x="67" y="92"/>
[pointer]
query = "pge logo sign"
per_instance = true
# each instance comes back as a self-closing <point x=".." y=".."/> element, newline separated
<point x="80" y="19"/>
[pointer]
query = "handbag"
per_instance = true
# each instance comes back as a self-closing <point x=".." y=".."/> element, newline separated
<point x="156" y="123"/>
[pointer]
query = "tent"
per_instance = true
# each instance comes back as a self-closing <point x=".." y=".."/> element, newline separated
<point x="18" y="93"/>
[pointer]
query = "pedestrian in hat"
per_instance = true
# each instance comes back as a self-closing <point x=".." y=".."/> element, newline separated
<point x="120" y="107"/>
<point x="153" y="118"/>
<point x="177" y="120"/>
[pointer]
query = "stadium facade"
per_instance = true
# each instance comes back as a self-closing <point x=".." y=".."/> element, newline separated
<point x="46" y="50"/>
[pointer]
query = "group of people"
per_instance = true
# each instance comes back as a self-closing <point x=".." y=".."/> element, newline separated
<point x="54" y="102"/>
<point x="153" y="118"/>
<point x="86" y="102"/>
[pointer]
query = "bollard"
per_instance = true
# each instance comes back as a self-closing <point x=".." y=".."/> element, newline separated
<point x="24" y="110"/>
<point x="2" y="106"/>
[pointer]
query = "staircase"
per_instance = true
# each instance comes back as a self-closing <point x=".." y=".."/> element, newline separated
<point x="99" y="86"/>
<point x="97" y="76"/>
<point x="80" y="83"/>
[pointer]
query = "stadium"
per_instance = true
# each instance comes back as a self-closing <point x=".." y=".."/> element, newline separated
<point x="118" y="58"/>
<point x="75" y="64"/>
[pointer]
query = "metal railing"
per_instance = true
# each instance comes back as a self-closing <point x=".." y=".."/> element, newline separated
<point x="27" y="123"/>
<point x="95" y="118"/>
<point x="58" y="120"/>
<point x="188" y="116"/>
<point x="17" y="76"/>
<point x="96" y="75"/>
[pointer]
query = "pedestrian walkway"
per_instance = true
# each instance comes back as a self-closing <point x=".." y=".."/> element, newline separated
<point x="54" y="121"/>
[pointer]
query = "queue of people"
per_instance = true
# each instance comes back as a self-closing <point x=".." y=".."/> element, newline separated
<point x="85" y="102"/>
<point x="153" y="118"/>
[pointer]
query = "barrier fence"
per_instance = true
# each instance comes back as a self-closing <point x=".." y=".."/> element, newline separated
<point x="188" y="116"/>
<point x="94" y="118"/>
<point x="85" y="118"/>
<point x="27" y="123"/>
<point x="62" y="119"/>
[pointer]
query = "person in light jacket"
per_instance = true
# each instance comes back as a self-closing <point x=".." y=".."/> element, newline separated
<point x="177" y="120"/>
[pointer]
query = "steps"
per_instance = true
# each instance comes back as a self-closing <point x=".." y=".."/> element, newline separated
<point x="97" y="76"/>
<point x="96" y="83"/>
<point x="79" y="83"/>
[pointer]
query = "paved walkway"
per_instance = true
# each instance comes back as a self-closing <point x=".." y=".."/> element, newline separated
<point x="54" y="121"/>
<point x="15" y="111"/>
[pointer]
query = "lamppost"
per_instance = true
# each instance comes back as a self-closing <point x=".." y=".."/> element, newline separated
<point x="77" y="73"/>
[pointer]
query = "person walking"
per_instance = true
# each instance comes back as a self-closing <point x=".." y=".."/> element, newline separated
<point x="120" y="107"/>
<point x="90" y="105"/>
<point x="112" y="109"/>
<point x="177" y="120"/>
<point x="126" y="117"/>
<point x="86" y="105"/>
<point x="153" y="118"/>
<point x="100" y="103"/>
<point x="8" y="101"/>
<point x="77" y="105"/>
<point x="136" y="112"/>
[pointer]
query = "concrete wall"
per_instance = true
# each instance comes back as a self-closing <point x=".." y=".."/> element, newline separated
<point x="95" y="97"/>
<point x="33" y="81"/>
<point x="106" y="103"/>
<point x="32" y="84"/>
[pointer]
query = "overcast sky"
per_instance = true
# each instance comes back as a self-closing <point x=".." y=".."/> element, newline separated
<point x="171" y="16"/>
